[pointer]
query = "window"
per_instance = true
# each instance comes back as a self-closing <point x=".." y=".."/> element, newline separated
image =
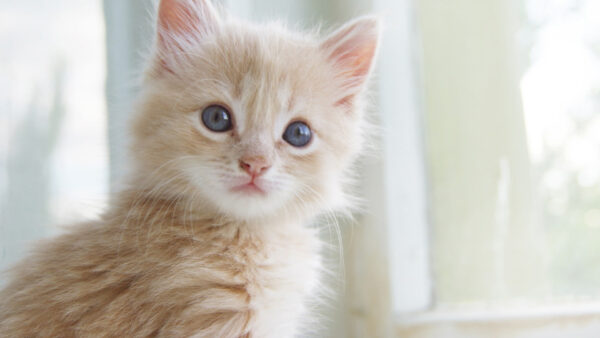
<point x="561" y="100"/>
<point x="512" y="151"/>
<point x="52" y="119"/>
<point x="510" y="127"/>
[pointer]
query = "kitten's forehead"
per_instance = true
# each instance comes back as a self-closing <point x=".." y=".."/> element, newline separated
<point x="262" y="103"/>
<point x="268" y="84"/>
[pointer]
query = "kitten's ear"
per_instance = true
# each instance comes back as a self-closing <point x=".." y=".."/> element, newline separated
<point x="352" y="49"/>
<point x="182" y="24"/>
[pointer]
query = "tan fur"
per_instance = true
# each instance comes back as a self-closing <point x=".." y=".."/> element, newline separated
<point x="177" y="254"/>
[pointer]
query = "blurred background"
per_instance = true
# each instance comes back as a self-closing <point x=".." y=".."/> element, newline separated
<point x="483" y="202"/>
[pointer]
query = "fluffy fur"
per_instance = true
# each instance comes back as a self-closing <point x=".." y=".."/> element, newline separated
<point x="178" y="252"/>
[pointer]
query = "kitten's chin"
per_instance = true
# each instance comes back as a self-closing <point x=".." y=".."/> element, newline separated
<point x="249" y="205"/>
<point x="248" y="202"/>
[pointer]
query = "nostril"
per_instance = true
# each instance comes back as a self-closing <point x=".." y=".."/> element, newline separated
<point x="245" y="166"/>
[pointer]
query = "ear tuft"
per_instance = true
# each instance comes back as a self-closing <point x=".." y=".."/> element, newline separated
<point x="352" y="49"/>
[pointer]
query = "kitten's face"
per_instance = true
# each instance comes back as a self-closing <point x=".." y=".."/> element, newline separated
<point x="253" y="121"/>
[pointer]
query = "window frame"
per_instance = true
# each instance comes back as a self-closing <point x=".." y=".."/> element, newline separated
<point x="405" y="189"/>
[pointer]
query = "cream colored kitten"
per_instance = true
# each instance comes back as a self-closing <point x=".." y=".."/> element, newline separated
<point x="242" y="136"/>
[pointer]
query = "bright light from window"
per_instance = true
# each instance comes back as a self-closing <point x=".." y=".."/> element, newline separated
<point x="52" y="118"/>
<point x="561" y="96"/>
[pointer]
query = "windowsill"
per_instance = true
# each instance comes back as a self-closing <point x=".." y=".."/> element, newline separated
<point x="565" y="321"/>
<point x="554" y="311"/>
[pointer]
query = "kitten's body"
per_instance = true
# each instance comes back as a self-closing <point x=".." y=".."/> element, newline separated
<point x="200" y="243"/>
<point x="181" y="279"/>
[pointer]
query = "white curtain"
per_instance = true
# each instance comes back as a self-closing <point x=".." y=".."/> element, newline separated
<point x="53" y="165"/>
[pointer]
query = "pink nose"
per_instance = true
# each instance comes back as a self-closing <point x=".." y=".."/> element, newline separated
<point x="254" y="165"/>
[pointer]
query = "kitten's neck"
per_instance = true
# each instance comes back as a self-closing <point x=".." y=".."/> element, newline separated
<point x="139" y="207"/>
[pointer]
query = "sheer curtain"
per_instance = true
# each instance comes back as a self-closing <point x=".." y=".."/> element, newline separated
<point x="53" y="158"/>
<point x="510" y="107"/>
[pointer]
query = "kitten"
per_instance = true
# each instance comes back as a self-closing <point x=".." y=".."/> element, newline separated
<point x="243" y="134"/>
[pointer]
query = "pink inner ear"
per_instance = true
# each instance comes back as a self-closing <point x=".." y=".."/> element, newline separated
<point x="355" y="56"/>
<point x="182" y="24"/>
<point x="175" y="17"/>
<point x="352" y="49"/>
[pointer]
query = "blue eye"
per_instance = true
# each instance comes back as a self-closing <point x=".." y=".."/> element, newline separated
<point x="216" y="118"/>
<point x="297" y="134"/>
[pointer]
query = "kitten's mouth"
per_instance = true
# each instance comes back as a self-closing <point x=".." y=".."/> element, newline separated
<point x="249" y="188"/>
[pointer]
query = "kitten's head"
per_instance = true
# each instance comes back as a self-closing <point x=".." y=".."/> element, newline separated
<point x="249" y="120"/>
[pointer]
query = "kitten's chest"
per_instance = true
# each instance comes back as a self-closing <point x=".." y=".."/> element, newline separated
<point x="272" y="275"/>
<point x="283" y="280"/>
<point x="280" y="263"/>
